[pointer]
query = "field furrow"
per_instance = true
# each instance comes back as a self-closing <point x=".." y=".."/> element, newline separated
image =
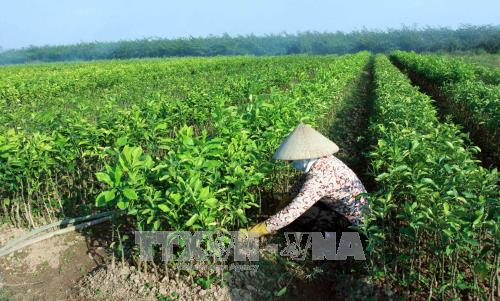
<point x="471" y="102"/>
<point x="435" y="210"/>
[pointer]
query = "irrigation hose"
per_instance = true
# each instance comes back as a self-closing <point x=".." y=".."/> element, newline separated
<point x="54" y="233"/>
<point x="55" y="224"/>
<point x="23" y="241"/>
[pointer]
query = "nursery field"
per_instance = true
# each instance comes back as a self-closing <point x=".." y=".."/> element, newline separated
<point x="469" y="93"/>
<point x="149" y="136"/>
<point x="186" y="144"/>
<point x="483" y="59"/>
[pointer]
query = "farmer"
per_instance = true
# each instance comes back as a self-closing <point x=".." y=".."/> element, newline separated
<point x="327" y="180"/>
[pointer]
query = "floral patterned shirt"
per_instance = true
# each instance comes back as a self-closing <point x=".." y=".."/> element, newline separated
<point x="329" y="180"/>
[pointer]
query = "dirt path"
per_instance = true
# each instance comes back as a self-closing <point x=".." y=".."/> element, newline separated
<point x="48" y="270"/>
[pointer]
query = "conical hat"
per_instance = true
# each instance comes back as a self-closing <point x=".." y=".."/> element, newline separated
<point x="305" y="143"/>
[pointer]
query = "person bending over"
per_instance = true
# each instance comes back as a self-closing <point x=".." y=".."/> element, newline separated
<point x="327" y="180"/>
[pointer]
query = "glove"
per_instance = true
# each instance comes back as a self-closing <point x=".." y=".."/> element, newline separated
<point x="261" y="228"/>
<point x="243" y="232"/>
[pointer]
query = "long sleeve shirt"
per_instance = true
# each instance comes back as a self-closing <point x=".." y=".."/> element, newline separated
<point x="331" y="181"/>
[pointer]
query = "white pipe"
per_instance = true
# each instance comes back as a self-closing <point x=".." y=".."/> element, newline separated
<point x="63" y="222"/>
<point x="26" y="243"/>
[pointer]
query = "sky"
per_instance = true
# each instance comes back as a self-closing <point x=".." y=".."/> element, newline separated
<point x="55" y="22"/>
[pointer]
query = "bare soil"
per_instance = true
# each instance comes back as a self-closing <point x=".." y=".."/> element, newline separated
<point x="78" y="266"/>
<point x="47" y="270"/>
<point x="127" y="283"/>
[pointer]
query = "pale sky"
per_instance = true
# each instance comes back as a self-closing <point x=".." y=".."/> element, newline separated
<point x="54" y="22"/>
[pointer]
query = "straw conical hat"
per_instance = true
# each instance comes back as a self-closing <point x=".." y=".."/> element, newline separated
<point x="305" y="143"/>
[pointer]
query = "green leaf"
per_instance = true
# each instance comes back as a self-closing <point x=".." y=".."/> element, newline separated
<point x="192" y="220"/>
<point x="104" y="177"/>
<point x="136" y="154"/>
<point x="281" y="292"/>
<point x="479" y="217"/>
<point x="150" y="219"/>
<point x="121" y="141"/>
<point x="176" y="197"/>
<point x="161" y="126"/>
<point x="446" y="208"/>
<point x="414" y="145"/>
<point x="130" y="194"/>
<point x="211" y="164"/>
<point x="400" y="168"/>
<point x="101" y="199"/>
<point x="429" y="181"/>
<point x="118" y="176"/>
<point x="122" y="205"/>
<point x="472" y="242"/>
<point x="204" y="193"/>
<point x="110" y="195"/>
<point x="163" y="208"/>
<point x="187" y="141"/>
<point x="211" y="203"/>
<point x="382" y="176"/>
<point x="156" y="225"/>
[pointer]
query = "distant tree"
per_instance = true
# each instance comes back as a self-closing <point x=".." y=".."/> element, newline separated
<point x="466" y="38"/>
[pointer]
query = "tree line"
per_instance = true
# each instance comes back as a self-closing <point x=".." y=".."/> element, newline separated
<point x="428" y="39"/>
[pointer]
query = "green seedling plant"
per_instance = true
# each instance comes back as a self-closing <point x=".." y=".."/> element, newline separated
<point x="472" y="97"/>
<point x="433" y="220"/>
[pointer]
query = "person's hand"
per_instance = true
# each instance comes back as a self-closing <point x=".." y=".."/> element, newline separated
<point x="261" y="228"/>
<point x="243" y="232"/>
